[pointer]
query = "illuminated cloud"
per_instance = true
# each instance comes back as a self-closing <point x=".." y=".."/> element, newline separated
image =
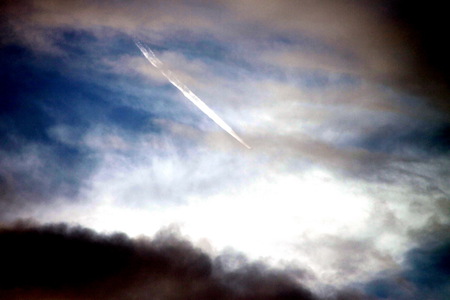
<point x="151" y="57"/>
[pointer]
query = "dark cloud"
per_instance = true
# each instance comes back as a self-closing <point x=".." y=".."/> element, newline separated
<point x="76" y="263"/>
<point x="416" y="139"/>
<point x="424" y="24"/>
<point x="62" y="261"/>
<point x="425" y="273"/>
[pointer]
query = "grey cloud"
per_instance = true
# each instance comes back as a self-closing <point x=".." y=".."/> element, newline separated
<point x="424" y="274"/>
<point x="414" y="139"/>
<point x="425" y="27"/>
<point x="57" y="260"/>
<point x="383" y="42"/>
<point x="350" y="258"/>
<point x="36" y="173"/>
<point x="76" y="263"/>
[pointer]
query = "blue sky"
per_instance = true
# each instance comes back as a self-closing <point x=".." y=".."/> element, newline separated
<point x="347" y="178"/>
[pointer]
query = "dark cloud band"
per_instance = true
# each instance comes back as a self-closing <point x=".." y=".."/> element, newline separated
<point x="77" y="263"/>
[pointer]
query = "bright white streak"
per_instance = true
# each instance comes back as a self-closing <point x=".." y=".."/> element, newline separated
<point x="151" y="57"/>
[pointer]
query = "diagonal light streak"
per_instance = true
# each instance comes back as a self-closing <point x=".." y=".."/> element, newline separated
<point x="151" y="57"/>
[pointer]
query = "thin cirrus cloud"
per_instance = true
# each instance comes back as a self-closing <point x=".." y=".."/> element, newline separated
<point x="151" y="57"/>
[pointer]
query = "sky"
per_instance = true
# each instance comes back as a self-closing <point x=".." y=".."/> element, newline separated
<point x="319" y="168"/>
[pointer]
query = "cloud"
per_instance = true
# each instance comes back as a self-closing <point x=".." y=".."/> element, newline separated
<point x="188" y="93"/>
<point x="355" y="258"/>
<point x="424" y="25"/>
<point x="35" y="174"/>
<point x="337" y="87"/>
<point x="379" y="41"/>
<point x="76" y="263"/>
<point x="424" y="274"/>
<point x="58" y="260"/>
<point x="376" y="40"/>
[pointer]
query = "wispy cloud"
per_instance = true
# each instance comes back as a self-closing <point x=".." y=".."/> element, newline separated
<point x="151" y="57"/>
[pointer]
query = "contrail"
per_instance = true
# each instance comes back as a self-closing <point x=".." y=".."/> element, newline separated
<point x="151" y="57"/>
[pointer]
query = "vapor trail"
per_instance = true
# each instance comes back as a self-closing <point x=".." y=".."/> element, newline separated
<point x="151" y="57"/>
